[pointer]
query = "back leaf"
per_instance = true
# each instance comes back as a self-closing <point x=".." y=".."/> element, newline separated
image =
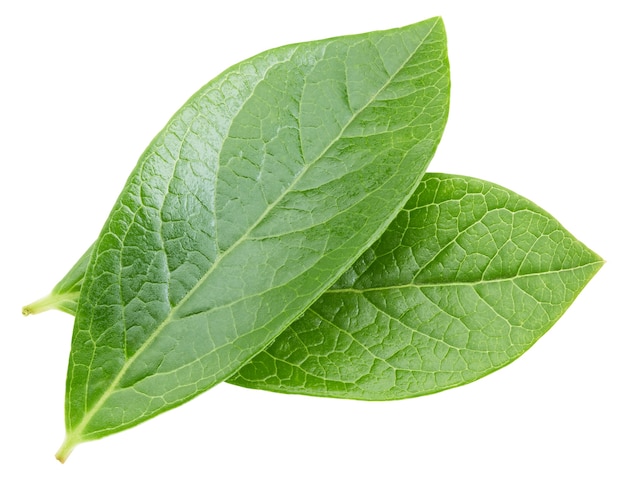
<point x="258" y="194"/>
<point x="465" y="280"/>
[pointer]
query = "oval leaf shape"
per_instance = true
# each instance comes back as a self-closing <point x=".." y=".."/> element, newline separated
<point x="464" y="281"/>
<point x="259" y="193"/>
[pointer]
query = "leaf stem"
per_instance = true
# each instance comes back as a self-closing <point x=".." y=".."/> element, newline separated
<point x="52" y="301"/>
<point x="66" y="448"/>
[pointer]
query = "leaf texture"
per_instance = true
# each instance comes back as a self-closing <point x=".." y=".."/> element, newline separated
<point x="258" y="194"/>
<point x="465" y="280"/>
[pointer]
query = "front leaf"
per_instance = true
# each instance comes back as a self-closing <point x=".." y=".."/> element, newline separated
<point x="259" y="193"/>
<point x="465" y="280"/>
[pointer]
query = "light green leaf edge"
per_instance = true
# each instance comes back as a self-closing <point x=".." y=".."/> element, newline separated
<point x="136" y="348"/>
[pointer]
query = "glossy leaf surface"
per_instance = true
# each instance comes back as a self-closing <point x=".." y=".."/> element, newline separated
<point x="465" y="280"/>
<point x="259" y="193"/>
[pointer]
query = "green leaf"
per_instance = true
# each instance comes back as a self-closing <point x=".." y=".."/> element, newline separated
<point x="465" y="280"/>
<point x="259" y="193"/>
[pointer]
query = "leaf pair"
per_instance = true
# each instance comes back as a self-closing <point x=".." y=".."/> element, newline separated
<point x="466" y="278"/>
<point x="261" y="193"/>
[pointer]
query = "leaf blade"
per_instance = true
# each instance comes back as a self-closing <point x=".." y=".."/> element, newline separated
<point x="171" y="234"/>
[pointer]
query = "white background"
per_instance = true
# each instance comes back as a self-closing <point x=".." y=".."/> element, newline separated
<point x="537" y="106"/>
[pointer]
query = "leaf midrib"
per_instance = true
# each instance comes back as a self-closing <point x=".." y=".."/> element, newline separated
<point x="463" y="283"/>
